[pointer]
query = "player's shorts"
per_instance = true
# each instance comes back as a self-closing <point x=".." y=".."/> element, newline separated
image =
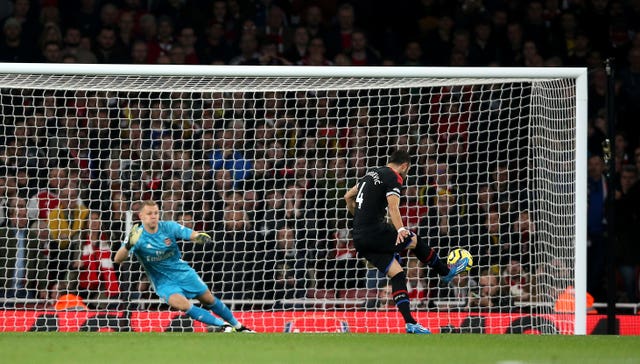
<point x="378" y="245"/>
<point x="189" y="285"/>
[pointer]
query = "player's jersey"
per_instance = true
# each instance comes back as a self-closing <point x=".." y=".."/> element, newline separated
<point x="159" y="254"/>
<point x="371" y="199"/>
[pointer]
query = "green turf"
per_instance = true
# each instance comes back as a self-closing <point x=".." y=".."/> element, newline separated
<point x="90" y="348"/>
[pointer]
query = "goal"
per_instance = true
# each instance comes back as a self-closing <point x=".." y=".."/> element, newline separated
<point x="260" y="157"/>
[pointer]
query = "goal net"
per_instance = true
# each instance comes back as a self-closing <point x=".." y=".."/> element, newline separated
<point x="260" y="159"/>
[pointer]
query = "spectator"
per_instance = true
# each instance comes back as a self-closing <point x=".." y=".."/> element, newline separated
<point x="629" y="94"/>
<point x="522" y="241"/>
<point x="148" y="29"/>
<point x="413" y="55"/>
<point x="139" y="53"/>
<point x="269" y="55"/>
<point x="339" y="39"/>
<point x="282" y="265"/>
<point x="438" y="43"/>
<point x="443" y="226"/>
<point x="512" y="54"/>
<point x="234" y="252"/>
<point x="276" y="31"/>
<point x="25" y="15"/>
<point x="108" y="15"/>
<point x="228" y="156"/>
<point x="227" y="21"/>
<point x="483" y="50"/>
<point x="316" y="54"/>
<point x="299" y="47"/>
<point x="51" y="53"/>
<point x="16" y="240"/>
<point x="416" y="286"/>
<point x="163" y="41"/>
<point x="85" y="17"/>
<point x="530" y="55"/>
<point x="13" y="48"/>
<point x="47" y="199"/>
<point x="490" y="292"/>
<point x="187" y="39"/>
<point x="535" y="28"/>
<point x="107" y="49"/>
<point x="126" y="30"/>
<point x="65" y="225"/>
<point x="314" y="22"/>
<point x="97" y="277"/>
<point x="248" y="51"/>
<point x="596" y="227"/>
<point x="71" y="40"/>
<point x="214" y="47"/>
<point x="361" y="53"/>
<point x="516" y="282"/>
<point x="627" y="213"/>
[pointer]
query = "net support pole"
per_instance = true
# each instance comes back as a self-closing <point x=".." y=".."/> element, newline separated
<point x="582" y="129"/>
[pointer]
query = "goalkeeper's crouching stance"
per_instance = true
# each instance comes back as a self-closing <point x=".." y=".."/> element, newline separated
<point x="175" y="282"/>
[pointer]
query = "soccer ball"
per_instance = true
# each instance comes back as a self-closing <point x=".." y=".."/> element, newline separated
<point x="457" y="254"/>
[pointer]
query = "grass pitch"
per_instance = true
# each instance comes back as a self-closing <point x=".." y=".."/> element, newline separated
<point x="156" y="348"/>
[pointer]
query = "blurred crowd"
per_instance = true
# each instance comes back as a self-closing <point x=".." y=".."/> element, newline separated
<point x="265" y="172"/>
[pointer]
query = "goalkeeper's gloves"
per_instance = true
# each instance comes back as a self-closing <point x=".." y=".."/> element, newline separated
<point x="203" y="238"/>
<point x="134" y="236"/>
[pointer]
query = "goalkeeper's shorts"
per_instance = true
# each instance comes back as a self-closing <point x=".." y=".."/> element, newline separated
<point x="190" y="286"/>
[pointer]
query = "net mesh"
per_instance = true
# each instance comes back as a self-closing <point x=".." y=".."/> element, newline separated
<point x="262" y="164"/>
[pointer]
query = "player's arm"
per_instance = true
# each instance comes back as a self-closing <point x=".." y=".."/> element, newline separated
<point x="121" y="255"/>
<point x="350" y="197"/>
<point x="393" y="202"/>
<point x="134" y="235"/>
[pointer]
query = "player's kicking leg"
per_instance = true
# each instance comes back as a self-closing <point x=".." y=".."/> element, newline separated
<point x="455" y="269"/>
<point x="428" y="255"/>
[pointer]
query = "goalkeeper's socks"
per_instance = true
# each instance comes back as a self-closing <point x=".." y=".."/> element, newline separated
<point x="428" y="256"/>
<point x="401" y="297"/>
<point x="203" y="315"/>
<point x="220" y="309"/>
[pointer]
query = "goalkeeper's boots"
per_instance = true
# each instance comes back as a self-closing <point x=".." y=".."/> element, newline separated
<point x="455" y="269"/>
<point x="417" y="329"/>
<point x="245" y="329"/>
<point x="222" y="328"/>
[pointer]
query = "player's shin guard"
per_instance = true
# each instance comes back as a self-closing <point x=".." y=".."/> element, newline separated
<point x="401" y="296"/>
<point x="220" y="309"/>
<point x="428" y="256"/>
<point x="203" y="315"/>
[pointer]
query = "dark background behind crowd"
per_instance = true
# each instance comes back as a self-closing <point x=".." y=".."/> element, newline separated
<point x="579" y="33"/>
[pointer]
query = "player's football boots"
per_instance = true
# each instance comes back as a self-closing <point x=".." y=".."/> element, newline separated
<point x="417" y="329"/>
<point x="245" y="330"/>
<point x="222" y="328"/>
<point x="455" y="269"/>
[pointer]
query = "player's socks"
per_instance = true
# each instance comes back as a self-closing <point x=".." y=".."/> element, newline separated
<point x="401" y="297"/>
<point x="203" y="315"/>
<point x="428" y="256"/>
<point x="220" y="309"/>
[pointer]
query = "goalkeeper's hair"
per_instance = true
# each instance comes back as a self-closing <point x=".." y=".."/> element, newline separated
<point x="399" y="157"/>
<point x="144" y="203"/>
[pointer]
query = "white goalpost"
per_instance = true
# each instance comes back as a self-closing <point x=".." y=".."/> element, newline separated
<point x="260" y="157"/>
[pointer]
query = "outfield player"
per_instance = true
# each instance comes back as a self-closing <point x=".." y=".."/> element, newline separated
<point x="380" y="242"/>
<point x="154" y="244"/>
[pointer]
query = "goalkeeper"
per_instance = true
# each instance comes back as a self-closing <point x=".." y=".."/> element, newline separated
<point x="154" y="244"/>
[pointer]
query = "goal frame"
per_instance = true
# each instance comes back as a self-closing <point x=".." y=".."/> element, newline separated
<point x="532" y="73"/>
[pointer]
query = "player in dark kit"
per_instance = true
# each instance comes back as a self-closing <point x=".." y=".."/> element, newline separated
<point x="380" y="242"/>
